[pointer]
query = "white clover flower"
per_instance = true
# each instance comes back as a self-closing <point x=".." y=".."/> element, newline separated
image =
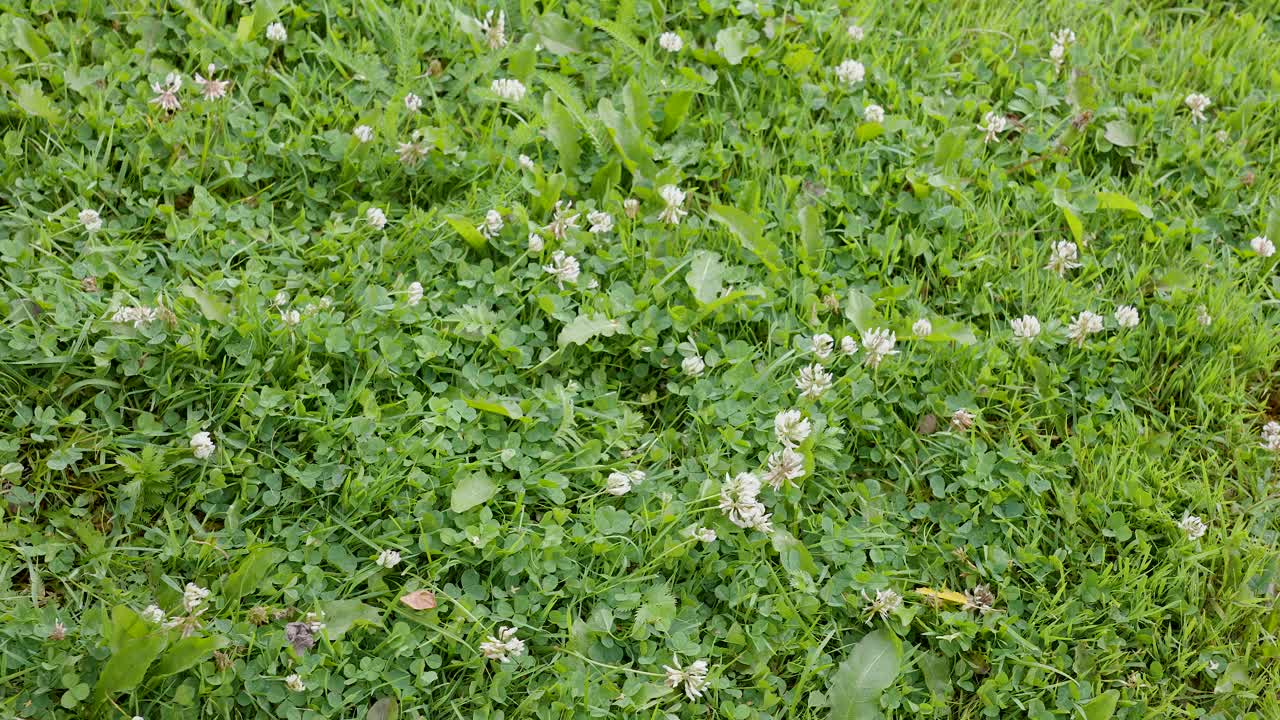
<point x="791" y="428"/>
<point x="526" y="162"/>
<point x="1063" y="256"/>
<point x="412" y="103"/>
<point x="1261" y="245"/>
<point x="167" y="93"/>
<point x="848" y="345"/>
<point x="387" y="559"/>
<point x="294" y="681"/>
<point x="277" y="33"/>
<point x="962" y="420"/>
<point x="136" y="315"/>
<point x="922" y="328"/>
<point x="885" y="604"/>
<point x="740" y="501"/>
<point x="1126" y="316"/>
<point x="363" y="133"/>
<point x="631" y="207"/>
<point x="856" y="33"/>
<point x="413" y="295"/>
<point x="1202" y="316"/>
<point x="1065" y="36"/>
<point x="412" y="152"/>
<point x="280" y="299"/>
<point x="618" y="483"/>
<point x="1197" y="103"/>
<point x="1057" y="54"/>
<point x="782" y="467"/>
<point x="1271" y="436"/>
<point x="508" y="89"/>
<point x="211" y="87"/>
<point x="670" y="42"/>
<point x="314" y="621"/>
<point x="993" y="123"/>
<point x="153" y="614"/>
<point x="91" y="220"/>
<point x="850" y="72"/>
<point x="813" y="381"/>
<point x="290" y="317"/>
<point x="1222" y="136"/>
<point x="495" y="29"/>
<point x="873" y="114"/>
<point x="202" y="446"/>
<point x="564" y="268"/>
<point x="878" y="342"/>
<point x="692" y="679"/>
<point x="504" y="646"/>
<point x="704" y="534"/>
<point x="1082" y="326"/>
<point x="193" y="596"/>
<point x="535" y="243"/>
<point x="563" y="220"/>
<point x="1025" y="328"/>
<point x="492" y="225"/>
<point x="674" y="199"/>
<point x="693" y="366"/>
<point x="822" y="344"/>
<point x="1193" y="526"/>
<point x="601" y="222"/>
<point x="375" y="218"/>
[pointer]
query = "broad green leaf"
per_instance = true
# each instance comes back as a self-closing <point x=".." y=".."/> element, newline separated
<point x="524" y="60"/>
<point x="126" y="667"/>
<point x="341" y="615"/>
<point x="628" y="139"/>
<point x="860" y="309"/>
<point x="937" y="675"/>
<point x="125" y="626"/>
<point x="558" y="35"/>
<point x="505" y="408"/>
<point x="187" y="652"/>
<point x="1082" y="94"/>
<point x="1116" y="201"/>
<point x="210" y="306"/>
<point x="1119" y="132"/>
<point x="810" y="232"/>
<point x="253" y="569"/>
<point x="706" y="276"/>
<point x="1273" y="224"/>
<point x="731" y="43"/>
<point x="471" y="490"/>
<point x="1074" y="224"/>
<point x="792" y="553"/>
<point x="384" y="709"/>
<point x="28" y="40"/>
<point x="868" y="131"/>
<point x="675" y="110"/>
<point x="584" y="327"/>
<point x="749" y="232"/>
<point x="871" y="667"/>
<point x="562" y="131"/>
<point x="31" y="98"/>
<point x="1101" y="707"/>
<point x="949" y="146"/>
<point x="946" y="329"/>
<point x="468" y="231"/>
<point x="635" y="103"/>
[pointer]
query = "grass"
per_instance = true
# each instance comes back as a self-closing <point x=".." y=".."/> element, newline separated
<point x="474" y="432"/>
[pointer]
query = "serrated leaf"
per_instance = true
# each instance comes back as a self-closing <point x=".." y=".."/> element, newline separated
<point x="584" y="327"/>
<point x="706" y="276"/>
<point x="468" y="231"/>
<point x="252" y="571"/>
<point x="656" y="613"/>
<point x="1101" y="707"/>
<point x="1119" y="132"/>
<point x="749" y="232"/>
<point x="28" y="40"/>
<point x="471" y="490"/>
<point x="186" y="653"/>
<point x="870" y="668"/>
<point x="31" y="98"/>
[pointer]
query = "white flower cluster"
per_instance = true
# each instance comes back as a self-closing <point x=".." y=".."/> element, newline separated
<point x="692" y="679"/>
<point x="621" y="483"/>
<point x="1197" y="104"/>
<point x="1271" y="436"/>
<point x="740" y="501"/>
<point x="886" y="603"/>
<point x="136" y="315"/>
<point x="1193" y="527"/>
<point x="504" y="646"/>
<point x="1062" y="40"/>
<point x="850" y="72"/>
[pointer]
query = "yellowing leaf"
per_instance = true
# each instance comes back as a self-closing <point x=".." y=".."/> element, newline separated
<point x="948" y="595"/>
<point x="419" y="599"/>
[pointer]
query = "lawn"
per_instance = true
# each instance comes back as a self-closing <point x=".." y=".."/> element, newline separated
<point x="614" y="359"/>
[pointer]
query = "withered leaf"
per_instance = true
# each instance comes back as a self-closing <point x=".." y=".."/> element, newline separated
<point x="419" y="599"/>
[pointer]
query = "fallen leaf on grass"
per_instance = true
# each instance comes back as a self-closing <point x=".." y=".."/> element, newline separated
<point x="419" y="599"/>
<point x="939" y="595"/>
